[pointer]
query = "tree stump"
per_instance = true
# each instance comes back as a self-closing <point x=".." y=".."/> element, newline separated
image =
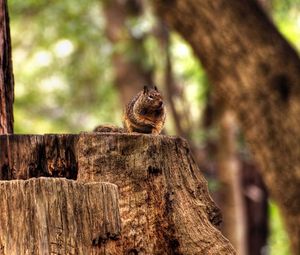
<point x="58" y="216"/>
<point x="164" y="204"/>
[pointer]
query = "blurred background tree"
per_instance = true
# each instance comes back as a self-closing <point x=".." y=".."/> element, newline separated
<point x="74" y="64"/>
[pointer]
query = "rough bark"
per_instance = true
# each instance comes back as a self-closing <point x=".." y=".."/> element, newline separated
<point x="160" y="183"/>
<point x="257" y="72"/>
<point x="27" y="156"/>
<point x="164" y="203"/>
<point x="58" y="216"/>
<point x="6" y="73"/>
<point x="229" y="176"/>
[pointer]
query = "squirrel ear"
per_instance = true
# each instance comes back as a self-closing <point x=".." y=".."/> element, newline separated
<point x="155" y="88"/>
<point x="145" y="90"/>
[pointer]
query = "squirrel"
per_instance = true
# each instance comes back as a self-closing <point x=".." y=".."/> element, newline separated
<point x="145" y="113"/>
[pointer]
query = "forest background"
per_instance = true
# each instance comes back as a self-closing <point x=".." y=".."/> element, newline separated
<point x="69" y="64"/>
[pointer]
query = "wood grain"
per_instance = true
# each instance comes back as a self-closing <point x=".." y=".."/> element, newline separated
<point x="27" y="156"/>
<point x="165" y="206"/>
<point x="58" y="216"/>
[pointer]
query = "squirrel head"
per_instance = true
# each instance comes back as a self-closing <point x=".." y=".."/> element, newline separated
<point x="152" y="98"/>
<point x="151" y="101"/>
<point x="146" y="89"/>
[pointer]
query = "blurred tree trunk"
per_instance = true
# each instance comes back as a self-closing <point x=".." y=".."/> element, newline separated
<point x="6" y="73"/>
<point x="229" y="175"/>
<point x="251" y="189"/>
<point x="129" y="56"/>
<point x="258" y="74"/>
<point x="256" y="203"/>
<point x="266" y="4"/>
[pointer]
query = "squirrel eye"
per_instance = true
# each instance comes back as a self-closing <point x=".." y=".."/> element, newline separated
<point x="150" y="97"/>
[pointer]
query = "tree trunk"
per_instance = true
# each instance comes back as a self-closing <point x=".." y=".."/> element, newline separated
<point x="164" y="203"/>
<point x="266" y="4"/>
<point x="27" y="156"/>
<point x="258" y="73"/>
<point x="231" y="195"/>
<point x="6" y="73"/>
<point x="58" y="216"/>
<point x="162" y="186"/>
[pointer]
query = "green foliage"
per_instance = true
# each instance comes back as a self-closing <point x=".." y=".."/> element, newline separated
<point x="63" y="80"/>
<point x="63" y="73"/>
<point x="278" y="241"/>
<point x="286" y="15"/>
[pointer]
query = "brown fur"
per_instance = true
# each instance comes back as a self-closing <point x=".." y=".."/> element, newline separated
<point x="145" y="113"/>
